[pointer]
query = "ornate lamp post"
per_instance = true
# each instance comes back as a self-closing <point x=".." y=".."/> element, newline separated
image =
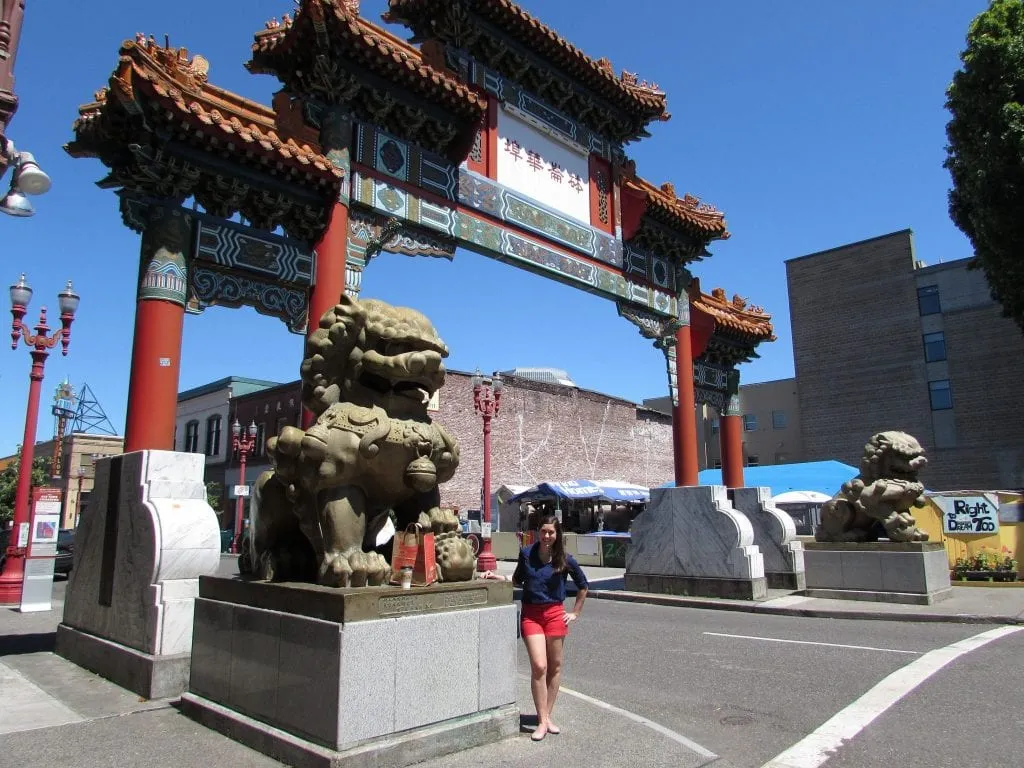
<point x="243" y="443"/>
<point x="486" y="402"/>
<point x="78" y="497"/>
<point x="40" y="343"/>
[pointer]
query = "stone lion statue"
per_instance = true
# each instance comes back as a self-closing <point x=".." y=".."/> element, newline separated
<point x="369" y="371"/>
<point x="877" y="501"/>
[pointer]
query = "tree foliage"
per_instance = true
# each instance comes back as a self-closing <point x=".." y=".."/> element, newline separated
<point x="985" y="155"/>
<point x="9" y="482"/>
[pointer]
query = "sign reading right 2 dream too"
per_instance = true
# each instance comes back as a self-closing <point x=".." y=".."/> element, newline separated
<point x="969" y="514"/>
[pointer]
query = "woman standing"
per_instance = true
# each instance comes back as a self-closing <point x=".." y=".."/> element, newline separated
<point x="542" y="572"/>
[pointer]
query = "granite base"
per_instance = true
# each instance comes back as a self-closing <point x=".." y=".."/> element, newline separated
<point x="697" y="586"/>
<point x="913" y="572"/>
<point x="795" y="581"/>
<point x="319" y="673"/>
<point x="150" y="676"/>
<point x="399" y="749"/>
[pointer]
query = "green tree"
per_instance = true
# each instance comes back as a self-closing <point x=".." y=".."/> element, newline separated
<point x="215" y="496"/>
<point x="985" y="155"/>
<point x="9" y="482"/>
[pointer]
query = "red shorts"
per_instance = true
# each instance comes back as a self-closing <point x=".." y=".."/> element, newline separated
<point x="547" y="620"/>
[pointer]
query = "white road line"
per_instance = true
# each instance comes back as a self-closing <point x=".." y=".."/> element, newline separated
<point x="811" y="642"/>
<point x="667" y="733"/>
<point x="817" y="747"/>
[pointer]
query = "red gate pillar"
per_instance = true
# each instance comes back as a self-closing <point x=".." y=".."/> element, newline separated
<point x="731" y="435"/>
<point x="684" y="415"/>
<point x="332" y="248"/>
<point x="159" y="317"/>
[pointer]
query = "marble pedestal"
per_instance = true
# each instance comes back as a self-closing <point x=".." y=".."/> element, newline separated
<point x="775" y="536"/>
<point x="691" y="541"/>
<point x="139" y="552"/>
<point x="881" y="571"/>
<point x="314" y="676"/>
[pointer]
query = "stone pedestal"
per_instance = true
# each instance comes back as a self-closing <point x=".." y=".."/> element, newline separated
<point x="775" y="536"/>
<point x="139" y="552"/>
<point x="691" y="541"/>
<point x="882" y="571"/>
<point x="314" y="676"/>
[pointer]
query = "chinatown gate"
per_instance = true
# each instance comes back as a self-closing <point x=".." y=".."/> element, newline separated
<point x="495" y="135"/>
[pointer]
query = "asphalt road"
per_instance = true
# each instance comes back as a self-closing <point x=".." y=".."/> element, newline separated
<point x="663" y="686"/>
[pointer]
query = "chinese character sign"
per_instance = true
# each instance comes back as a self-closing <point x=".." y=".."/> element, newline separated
<point x="548" y="171"/>
<point x="969" y="514"/>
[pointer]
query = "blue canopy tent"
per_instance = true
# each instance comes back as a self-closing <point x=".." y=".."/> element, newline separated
<point x="605" y="490"/>
<point x="821" y="476"/>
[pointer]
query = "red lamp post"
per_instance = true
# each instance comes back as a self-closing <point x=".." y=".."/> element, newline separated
<point x="486" y="402"/>
<point x="78" y="498"/>
<point x="40" y="343"/>
<point x="243" y="443"/>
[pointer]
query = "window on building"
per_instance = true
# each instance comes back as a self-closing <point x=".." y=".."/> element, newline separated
<point x="191" y="437"/>
<point x="753" y="461"/>
<point x="714" y="426"/>
<point x="928" y="300"/>
<point x="281" y="424"/>
<point x="749" y="422"/>
<point x="934" y="347"/>
<point x="213" y="436"/>
<point x="261" y="440"/>
<point x="718" y="464"/>
<point x="778" y="419"/>
<point x="940" y="395"/>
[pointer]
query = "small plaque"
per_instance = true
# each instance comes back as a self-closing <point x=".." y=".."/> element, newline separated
<point x="430" y="602"/>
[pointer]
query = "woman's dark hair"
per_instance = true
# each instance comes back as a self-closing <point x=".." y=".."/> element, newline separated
<point x="558" y="548"/>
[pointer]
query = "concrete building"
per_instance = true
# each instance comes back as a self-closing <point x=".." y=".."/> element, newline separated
<point x="881" y="341"/>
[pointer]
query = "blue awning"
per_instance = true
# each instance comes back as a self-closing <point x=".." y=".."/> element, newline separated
<point x="585" y="489"/>
<point x="821" y="476"/>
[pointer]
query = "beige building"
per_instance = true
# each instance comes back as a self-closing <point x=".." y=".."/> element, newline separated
<point x="881" y="341"/>
<point x="771" y="426"/>
<point x="79" y="453"/>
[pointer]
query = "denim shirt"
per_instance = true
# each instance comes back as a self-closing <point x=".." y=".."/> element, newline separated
<point x="541" y="585"/>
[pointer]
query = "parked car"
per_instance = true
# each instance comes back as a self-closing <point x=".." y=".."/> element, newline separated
<point x="65" y="551"/>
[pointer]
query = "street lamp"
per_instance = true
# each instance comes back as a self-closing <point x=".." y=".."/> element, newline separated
<point x="244" y="444"/>
<point x="486" y="402"/>
<point x="78" y="497"/>
<point x="39" y="343"/>
<point x="27" y="179"/>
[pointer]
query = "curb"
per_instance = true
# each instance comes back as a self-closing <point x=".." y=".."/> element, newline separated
<point x="817" y="613"/>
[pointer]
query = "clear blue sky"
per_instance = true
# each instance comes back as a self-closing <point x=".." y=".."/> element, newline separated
<point x="811" y="124"/>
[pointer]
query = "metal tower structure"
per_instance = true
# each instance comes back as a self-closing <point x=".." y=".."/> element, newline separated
<point x="90" y="416"/>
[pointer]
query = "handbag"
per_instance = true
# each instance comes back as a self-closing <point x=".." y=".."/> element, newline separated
<point x="414" y="548"/>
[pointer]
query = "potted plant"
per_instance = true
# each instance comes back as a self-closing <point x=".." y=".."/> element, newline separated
<point x="986" y="565"/>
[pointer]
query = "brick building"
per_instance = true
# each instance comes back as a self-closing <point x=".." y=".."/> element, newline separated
<point x="881" y="341"/>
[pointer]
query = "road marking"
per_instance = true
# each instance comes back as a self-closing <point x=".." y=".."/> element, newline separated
<point x="819" y="746"/>
<point x="667" y="733"/>
<point x="811" y="642"/>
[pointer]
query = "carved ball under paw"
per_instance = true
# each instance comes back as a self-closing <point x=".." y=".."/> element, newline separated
<point x="354" y="569"/>
<point x="455" y="559"/>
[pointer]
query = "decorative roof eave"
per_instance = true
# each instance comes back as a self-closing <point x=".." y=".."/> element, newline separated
<point x="336" y="24"/>
<point x="152" y="78"/>
<point x="626" y="91"/>
<point x="687" y="213"/>
<point x="736" y="318"/>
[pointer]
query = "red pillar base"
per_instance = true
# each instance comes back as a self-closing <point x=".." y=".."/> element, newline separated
<point x="486" y="560"/>
<point x="12" y="579"/>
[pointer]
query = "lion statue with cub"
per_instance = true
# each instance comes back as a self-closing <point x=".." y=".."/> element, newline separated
<point x="368" y="374"/>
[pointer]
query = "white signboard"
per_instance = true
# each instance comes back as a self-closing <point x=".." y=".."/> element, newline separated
<point x="969" y="514"/>
<point x="241" y="491"/>
<point x="545" y="170"/>
<point x="485" y="530"/>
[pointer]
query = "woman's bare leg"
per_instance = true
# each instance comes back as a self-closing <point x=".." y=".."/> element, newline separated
<point x="536" y="648"/>
<point x="555" y="646"/>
